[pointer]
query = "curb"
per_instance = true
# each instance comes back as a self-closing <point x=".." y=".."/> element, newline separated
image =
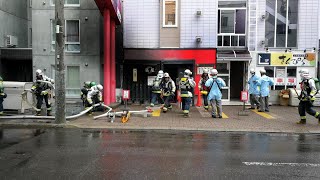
<point x="35" y="125"/>
<point x="138" y="128"/>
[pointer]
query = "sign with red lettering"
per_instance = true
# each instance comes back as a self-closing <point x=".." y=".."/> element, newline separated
<point x="125" y="94"/>
<point x="244" y="96"/>
<point x="291" y="81"/>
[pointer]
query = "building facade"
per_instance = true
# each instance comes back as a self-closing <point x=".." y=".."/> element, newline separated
<point x="15" y="40"/>
<point x="83" y="24"/>
<point x="278" y="35"/>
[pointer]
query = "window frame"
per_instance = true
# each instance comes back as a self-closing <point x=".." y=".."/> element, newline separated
<point x="274" y="87"/>
<point x="66" y="5"/>
<point x="286" y="25"/>
<point x="53" y="41"/>
<point x="230" y="35"/>
<point x="164" y="14"/>
<point x="76" y="43"/>
<point x="66" y="76"/>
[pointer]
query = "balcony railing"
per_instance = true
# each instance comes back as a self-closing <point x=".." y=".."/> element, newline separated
<point x="232" y="40"/>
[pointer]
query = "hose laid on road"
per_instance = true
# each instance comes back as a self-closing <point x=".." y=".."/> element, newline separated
<point x="105" y="114"/>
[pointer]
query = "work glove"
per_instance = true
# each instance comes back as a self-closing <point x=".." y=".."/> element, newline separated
<point x="43" y="92"/>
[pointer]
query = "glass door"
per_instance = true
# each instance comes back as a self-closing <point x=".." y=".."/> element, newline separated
<point x="224" y="73"/>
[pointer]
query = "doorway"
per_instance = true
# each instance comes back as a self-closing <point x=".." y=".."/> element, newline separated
<point x="176" y="70"/>
<point x="237" y="75"/>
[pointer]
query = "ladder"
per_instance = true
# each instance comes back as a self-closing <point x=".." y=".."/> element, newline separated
<point x="252" y="26"/>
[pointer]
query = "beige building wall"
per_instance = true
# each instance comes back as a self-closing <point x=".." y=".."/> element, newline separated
<point x="169" y="36"/>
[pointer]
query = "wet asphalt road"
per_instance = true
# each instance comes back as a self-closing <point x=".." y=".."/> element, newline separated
<point x="108" y="154"/>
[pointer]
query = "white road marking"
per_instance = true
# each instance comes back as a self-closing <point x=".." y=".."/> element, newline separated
<point x="281" y="164"/>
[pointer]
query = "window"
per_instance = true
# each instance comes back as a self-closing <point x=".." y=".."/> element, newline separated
<point x="75" y="3"/>
<point x="281" y="23"/>
<point x="170" y="13"/>
<point x="232" y="23"/>
<point x="72" y="39"/>
<point x="72" y="35"/>
<point x="284" y="77"/>
<point x="73" y="81"/>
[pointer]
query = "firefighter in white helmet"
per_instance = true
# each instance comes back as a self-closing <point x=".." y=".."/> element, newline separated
<point x="254" y="90"/>
<point x="307" y="96"/>
<point x="186" y="84"/>
<point x="204" y="90"/>
<point x="94" y="95"/>
<point x="215" y="95"/>
<point x="156" y="90"/>
<point x="40" y="75"/>
<point x="168" y="89"/>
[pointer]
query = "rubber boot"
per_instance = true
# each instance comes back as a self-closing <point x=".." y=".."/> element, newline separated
<point x="38" y="113"/>
<point x="302" y="121"/>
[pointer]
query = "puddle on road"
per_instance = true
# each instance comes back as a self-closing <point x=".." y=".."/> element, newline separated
<point x="10" y="137"/>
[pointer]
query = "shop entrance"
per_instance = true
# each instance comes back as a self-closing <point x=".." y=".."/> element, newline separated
<point x="237" y="79"/>
<point x="176" y="70"/>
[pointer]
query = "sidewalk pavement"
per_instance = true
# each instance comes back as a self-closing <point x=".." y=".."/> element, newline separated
<point x="280" y="119"/>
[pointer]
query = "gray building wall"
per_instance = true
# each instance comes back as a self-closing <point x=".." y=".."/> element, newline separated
<point x="14" y="21"/>
<point x="44" y="57"/>
<point x="204" y="26"/>
<point x="141" y="23"/>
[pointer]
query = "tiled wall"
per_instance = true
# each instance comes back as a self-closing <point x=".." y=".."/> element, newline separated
<point x="141" y="23"/>
<point x="204" y="26"/>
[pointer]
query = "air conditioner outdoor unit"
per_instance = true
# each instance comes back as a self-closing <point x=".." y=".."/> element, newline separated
<point x="11" y="41"/>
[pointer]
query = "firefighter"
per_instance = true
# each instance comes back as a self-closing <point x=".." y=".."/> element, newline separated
<point x="94" y="95"/>
<point x="264" y="82"/>
<point x="186" y="84"/>
<point x="203" y="89"/>
<point x="168" y="89"/>
<point x="84" y="92"/>
<point x="41" y="90"/>
<point x="40" y="76"/>
<point x="307" y="97"/>
<point x="2" y="96"/>
<point x="254" y="90"/>
<point x="215" y="95"/>
<point x="156" y="90"/>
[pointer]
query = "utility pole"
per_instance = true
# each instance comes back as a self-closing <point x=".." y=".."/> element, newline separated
<point x="60" y="115"/>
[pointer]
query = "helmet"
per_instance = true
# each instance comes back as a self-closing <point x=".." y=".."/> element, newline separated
<point x="214" y="72"/>
<point x="166" y="75"/>
<point x="262" y="71"/>
<point x="304" y="73"/>
<point x="160" y="74"/>
<point x="252" y="71"/>
<point x="38" y="72"/>
<point x="100" y="87"/>
<point x="92" y="83"/>
<point x="1" y="78"/>
<point x="205" y="71"/>
<point x="187" y="72"/>
<point x="87" y="84"/>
